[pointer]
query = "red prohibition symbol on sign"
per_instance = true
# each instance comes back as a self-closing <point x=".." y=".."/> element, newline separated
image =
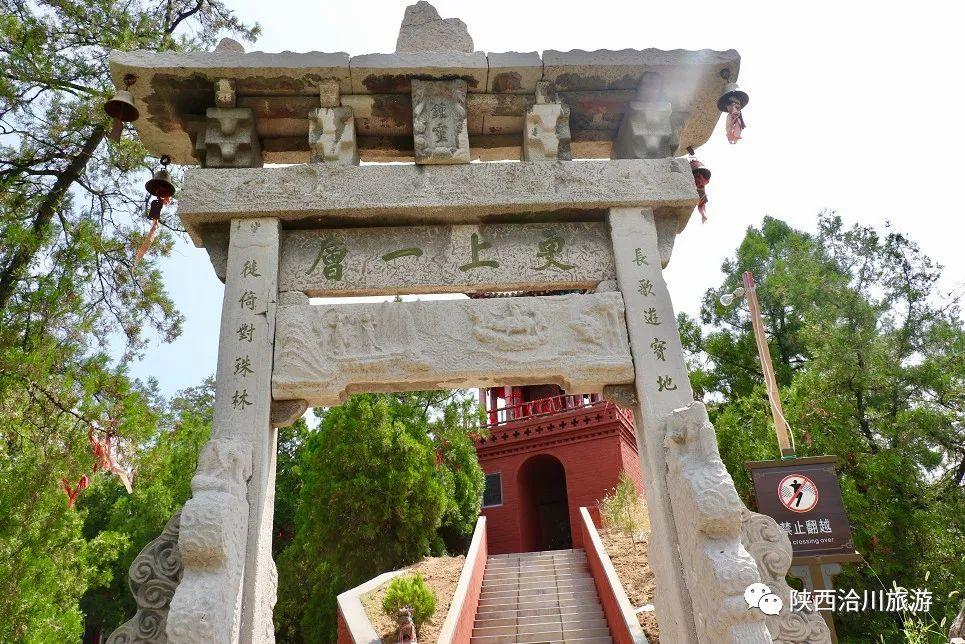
<point x="797" y="493"/>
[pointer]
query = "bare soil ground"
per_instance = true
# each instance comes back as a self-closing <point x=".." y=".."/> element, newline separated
<point x="629" y="557"/>
<point x="441" y="574"/>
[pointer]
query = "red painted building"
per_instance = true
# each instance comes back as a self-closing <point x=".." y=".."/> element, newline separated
<point x="546" y="454"/>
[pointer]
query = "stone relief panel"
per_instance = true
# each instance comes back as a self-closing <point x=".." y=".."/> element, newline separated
<point x="439" y="126"/>
<point x="771" y="549"/>
<point x="457" y="259"/>
<point x="325" y="353"/>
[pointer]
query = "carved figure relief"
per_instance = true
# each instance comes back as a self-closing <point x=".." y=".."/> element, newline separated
<point x="512" y="328"/>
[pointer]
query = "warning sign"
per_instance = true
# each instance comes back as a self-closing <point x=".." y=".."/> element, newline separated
<point x="803" y="496"/>
<point x="798" y="493"/>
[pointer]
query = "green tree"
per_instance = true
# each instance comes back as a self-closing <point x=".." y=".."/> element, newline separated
<point x="70" y="218"/>
<point x="871" y="360"/>
<point x="384" y="479"/>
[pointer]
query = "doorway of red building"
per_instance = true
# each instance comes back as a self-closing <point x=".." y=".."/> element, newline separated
<point x="544" y="508"/>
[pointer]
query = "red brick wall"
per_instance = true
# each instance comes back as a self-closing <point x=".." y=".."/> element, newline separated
<point x="592" y="468"/>
<point x="611" y="608"/>
<point x="467" y="615"/>
<point x="344" y="636"/>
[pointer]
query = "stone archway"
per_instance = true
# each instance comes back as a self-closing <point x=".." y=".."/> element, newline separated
<point x="544" y="507"/>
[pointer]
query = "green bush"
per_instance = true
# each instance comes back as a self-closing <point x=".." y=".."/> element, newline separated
<point x="411" y="591"/>
<point x="619" y="507"/>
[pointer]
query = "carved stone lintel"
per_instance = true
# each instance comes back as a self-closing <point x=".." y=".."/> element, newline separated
<point x="286" y="412"/>
<point x="331" y="136"/>
<point x="224" y="92"/>
<point x="547" y="133"/>
<point x="623" y="395"/>
<point x="708" y="514"/>
<point x="439" y="126"/>
<point x="229" y="139"/>
<point x="154" y="576"/>
<point x="771" y="549"/>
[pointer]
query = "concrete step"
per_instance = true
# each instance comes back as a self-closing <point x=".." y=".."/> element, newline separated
<point x="507" y="624"/>
<point x="567" y="614"/>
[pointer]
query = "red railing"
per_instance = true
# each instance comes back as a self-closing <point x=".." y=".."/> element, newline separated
<point x="548" y="406"/>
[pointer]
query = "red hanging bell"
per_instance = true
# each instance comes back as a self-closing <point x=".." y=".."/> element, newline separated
<point x="701" y="179"/>
<point x="121" y="108"/>
<point x="161" y="185"/>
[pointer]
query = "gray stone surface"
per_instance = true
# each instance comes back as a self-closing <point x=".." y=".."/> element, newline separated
<point x="393" y="73"/>
<point x="325" y="353"/>
<point x="230" y="140"/>
<point x="546" y="134"/>
<point x="439" y="127"/>
<point x="437" y="259"/>
<point x="451" y="194"/>
<point x="423" y="30"/>
<point x="228" y="588"/>
<point x="514" y="72"/>
<point x="153" y="577"/>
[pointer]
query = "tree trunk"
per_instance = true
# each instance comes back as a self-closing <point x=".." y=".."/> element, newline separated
<point x="22" y="256"/>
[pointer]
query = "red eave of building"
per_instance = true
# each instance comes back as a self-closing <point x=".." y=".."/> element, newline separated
<point x="540" y="430"/>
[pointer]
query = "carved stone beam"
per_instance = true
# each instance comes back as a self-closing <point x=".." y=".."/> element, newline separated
<point x="331" y="136"/>
<point x="439" y="126"/>
<point x="286" y="412"/>
<point x="650" y="128"/>
<point x="546" y="131"/>
<point x="229" y="140"/>
<point x="154" y="576"/>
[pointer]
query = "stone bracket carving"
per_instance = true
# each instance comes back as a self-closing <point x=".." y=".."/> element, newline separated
<point x="439" y="121"/>
<point x="325" y="353"/>
<point x="547" y="133"/>
<point x="650" y="128"/>
<point x="771" y="549"/>
<point x="229" y="140"/>
<point x="224" y="92"/>
<point x="329" y="93"/>
<point x="154" y="576"/>
<point x="331" y="136"/>
<point x="286" y="412"/>
<point x="718" y="569"/>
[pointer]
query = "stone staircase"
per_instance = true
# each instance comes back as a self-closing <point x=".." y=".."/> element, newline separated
<point x="539" y="597"/>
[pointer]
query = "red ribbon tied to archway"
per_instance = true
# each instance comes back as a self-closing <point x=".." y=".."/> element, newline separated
<point x="735" y="121"/>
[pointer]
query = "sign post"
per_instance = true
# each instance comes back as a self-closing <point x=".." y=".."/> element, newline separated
<point x="803" y="496"/>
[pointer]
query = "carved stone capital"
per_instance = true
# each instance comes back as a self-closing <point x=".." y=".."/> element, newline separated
<point x="439" y="125"/>
<point x="229" y="140"/>
<point x="286" y="412"/>
<point x="153" y="577"/>
<point x="331" y="136"/>
<point x="546" y="134"/>
<point x="771" y="549"/>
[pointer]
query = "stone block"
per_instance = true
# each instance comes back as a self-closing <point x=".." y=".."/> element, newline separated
<point x="546" y="136"/>
<point x="230" y="140"/>
<point x="424" y="30"/>
<point x="439" y="127"/>
<point x="224" y="93"/>
<point x="331" y="136"/>
<point x="514" y="72"/>
<point x="393" y="73"/>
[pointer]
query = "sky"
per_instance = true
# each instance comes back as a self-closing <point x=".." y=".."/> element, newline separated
<point x="852" y="108"/>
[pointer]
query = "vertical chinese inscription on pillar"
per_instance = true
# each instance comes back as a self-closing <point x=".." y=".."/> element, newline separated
<point x="439" y="127"/>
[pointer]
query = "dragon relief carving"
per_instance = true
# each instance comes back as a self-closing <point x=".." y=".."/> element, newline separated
<point x="717" y="568"/>
<point x="153" y="577"/>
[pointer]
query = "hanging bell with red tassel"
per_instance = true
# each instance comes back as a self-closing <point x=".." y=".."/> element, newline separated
<point x="731" y="102"/>
<point x="701" y="179"/>
<point x="121" y="108"/>
<point x="161" y="185"/>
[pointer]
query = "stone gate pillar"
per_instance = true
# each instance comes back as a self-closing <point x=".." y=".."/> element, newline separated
<point x="225" y="538"/>
<point x="701" y="568"/>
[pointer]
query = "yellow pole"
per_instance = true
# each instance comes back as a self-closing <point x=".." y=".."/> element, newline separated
<point x="777" y="411"/>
